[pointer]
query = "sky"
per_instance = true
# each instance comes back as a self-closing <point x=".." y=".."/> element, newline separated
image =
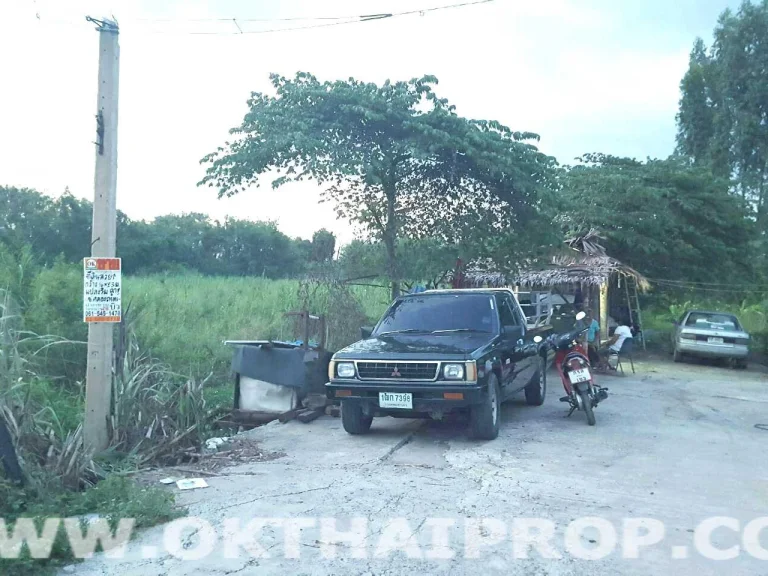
<point x="586" y="75"/>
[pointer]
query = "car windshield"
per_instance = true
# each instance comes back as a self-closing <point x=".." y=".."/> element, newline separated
<point x="443" y="312"/>
<point x="712" y="321"/>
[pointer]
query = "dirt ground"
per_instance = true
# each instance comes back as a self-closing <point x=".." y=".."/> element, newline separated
<point x="675" y="443"/>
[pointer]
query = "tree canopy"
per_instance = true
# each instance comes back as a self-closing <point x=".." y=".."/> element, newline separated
<point x="395" y="159"/>
<point x="723" y="117"/>
<point x="50" y="229"/>
<point x="664" y="217"/>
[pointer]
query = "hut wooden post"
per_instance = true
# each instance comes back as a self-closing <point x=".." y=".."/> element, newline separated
<point x="604" y="310"/>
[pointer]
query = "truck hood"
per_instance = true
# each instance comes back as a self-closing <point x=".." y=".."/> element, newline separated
<point x="417" y="346"/>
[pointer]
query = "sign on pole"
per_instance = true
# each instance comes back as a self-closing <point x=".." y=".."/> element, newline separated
<point x="102" y="300"/>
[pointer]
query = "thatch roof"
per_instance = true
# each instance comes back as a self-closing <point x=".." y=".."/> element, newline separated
<point x="586" y="264"/>
<point x="580" y="269"/>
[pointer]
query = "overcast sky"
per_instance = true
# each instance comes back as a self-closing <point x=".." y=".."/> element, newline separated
<point x="587" y="75"/>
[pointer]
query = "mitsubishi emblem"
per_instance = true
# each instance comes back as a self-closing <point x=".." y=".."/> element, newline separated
<point x="396" y="373"/>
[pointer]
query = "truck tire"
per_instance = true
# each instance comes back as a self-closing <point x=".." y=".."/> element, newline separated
<point x="484" y="418"/>
<point x="677" y="356"/>
<point x="536" y="391"/>
<point x="353" y="419"/>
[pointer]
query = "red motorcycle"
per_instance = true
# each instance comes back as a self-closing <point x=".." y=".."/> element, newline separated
<point x="572" y="363"/>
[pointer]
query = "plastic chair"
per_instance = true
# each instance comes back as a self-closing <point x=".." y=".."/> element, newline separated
<point x="627" y="350"/>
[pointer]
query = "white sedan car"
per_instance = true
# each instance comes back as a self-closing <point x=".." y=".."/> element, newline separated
<point x="716" y="335"/>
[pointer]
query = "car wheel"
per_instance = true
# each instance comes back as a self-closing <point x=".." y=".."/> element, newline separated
<point x="740" y="364"/>
<point x="484" y="418"/>
<point x="536" y="391"/>
<point x="353" y="419"/>
<point x="677" y="356"/>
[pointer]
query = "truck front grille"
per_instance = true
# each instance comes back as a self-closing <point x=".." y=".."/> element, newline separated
<point x="397" y="370"/>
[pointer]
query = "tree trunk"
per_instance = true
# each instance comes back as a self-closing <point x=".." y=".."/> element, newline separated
<point x="390" y="237"/>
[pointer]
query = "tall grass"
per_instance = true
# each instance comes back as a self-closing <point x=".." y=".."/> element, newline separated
<point x="184" y="319"/>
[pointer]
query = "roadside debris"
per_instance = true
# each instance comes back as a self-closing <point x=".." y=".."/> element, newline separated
<point x="213" y="444"/>
<point x="191" y="483"/>
<point x="333" y="410"/>
<point x="307" y="416"/>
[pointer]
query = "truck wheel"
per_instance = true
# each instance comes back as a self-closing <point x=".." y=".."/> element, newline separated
<point x="536" y="391"/>
<point x="484" y="418"/>
<point x="353" y="419"/>
<point x="740" y="364"/>
<point x="677" y="356"/>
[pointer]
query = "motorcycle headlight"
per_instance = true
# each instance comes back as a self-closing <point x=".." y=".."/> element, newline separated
<point x="345" y="370"/>
<point x="453" y="371"/>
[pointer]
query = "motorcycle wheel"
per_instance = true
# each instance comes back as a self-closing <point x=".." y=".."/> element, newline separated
<point x="586" y="400"/>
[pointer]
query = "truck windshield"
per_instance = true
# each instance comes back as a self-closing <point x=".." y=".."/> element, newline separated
<point x="440" y="312"/>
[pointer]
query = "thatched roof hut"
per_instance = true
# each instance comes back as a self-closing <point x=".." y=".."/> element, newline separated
<point x="583" y="263"/>
<point x="580" y="269"/>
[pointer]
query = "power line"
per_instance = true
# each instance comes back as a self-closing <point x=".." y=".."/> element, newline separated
<point x="705" y="284"/>
<point x="664" y="284"/>
<point x="316" y="18"/>
<point x="325" y="21"/>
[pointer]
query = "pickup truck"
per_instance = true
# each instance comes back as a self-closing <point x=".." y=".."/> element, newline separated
<point x="441" y="351"/>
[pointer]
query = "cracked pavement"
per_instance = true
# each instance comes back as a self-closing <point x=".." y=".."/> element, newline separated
<point x="677" y="443"/>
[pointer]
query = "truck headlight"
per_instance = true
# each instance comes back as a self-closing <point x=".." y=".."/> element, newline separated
<point x="345" y="370"/>
<point x="453" y="371"/>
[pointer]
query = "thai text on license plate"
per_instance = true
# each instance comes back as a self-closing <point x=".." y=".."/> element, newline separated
<point x="396" y="400"/>
<point x="715" y="340"/>
<point x="582" y="375"/>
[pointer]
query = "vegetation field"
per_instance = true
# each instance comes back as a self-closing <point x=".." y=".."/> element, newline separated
<point x="185" y="319"/>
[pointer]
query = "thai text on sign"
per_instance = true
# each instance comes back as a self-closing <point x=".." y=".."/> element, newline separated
<point x="102" y="290"/>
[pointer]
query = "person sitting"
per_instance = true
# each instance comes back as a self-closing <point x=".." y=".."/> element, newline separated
<point x="613" y="346"/>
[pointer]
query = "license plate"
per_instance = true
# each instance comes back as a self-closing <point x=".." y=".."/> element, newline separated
<point x="396" y="400"/>
<point x="577" y="376"/>
<point x="713" y="340"/>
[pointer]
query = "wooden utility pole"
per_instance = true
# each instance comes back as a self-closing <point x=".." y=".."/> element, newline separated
<point x="98" y="382"/>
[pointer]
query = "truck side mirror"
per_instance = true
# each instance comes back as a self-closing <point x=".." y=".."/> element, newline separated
<point x="365" y="332"/>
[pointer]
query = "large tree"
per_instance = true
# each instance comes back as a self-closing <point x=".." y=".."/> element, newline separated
<point x="665" y="218"/>
<point x="395" y="159"/>
<point x="723" y="117"/>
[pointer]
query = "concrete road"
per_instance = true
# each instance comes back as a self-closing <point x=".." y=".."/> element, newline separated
<point x="673" y="443"/>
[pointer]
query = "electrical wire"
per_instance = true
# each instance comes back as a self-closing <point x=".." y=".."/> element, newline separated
<point x="692" y="284"/>
<point x="326" y="21"/>
<point x="665" y="284"/>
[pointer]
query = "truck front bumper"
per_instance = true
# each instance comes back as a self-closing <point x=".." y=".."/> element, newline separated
<point x="433" y="397"/>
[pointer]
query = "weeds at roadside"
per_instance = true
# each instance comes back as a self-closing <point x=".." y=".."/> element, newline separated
<point x="155" y="411"/>
<point x="114" y="498"/>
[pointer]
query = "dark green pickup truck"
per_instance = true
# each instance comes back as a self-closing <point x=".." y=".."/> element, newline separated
<point x="441" y="351"/>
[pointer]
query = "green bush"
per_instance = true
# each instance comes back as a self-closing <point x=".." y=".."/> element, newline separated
<point x="114" y="498"/>
<point x="54" y="307"/>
